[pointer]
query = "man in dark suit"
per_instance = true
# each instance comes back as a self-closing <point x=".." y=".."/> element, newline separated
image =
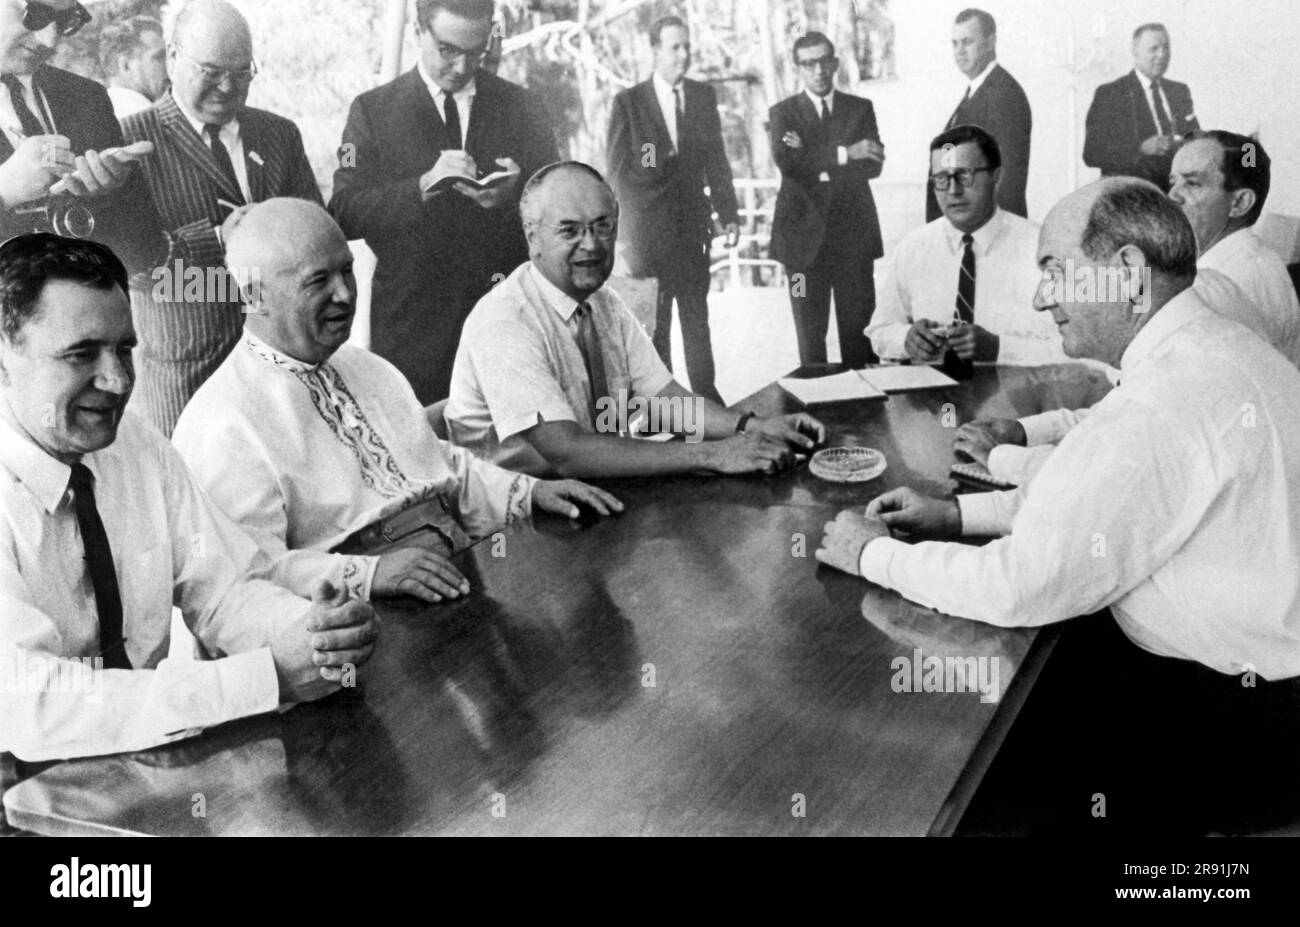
<point x="825" y="230"/>
<point x="213" y="158"/>
<point x="439" y="250"/>
<point x="55" y="124"/>
<point x="995" y="102"/>
<point x="1136" y="123"/>
<point x="664" y="145"/>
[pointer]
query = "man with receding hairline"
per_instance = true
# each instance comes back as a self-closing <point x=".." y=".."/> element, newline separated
<point x="550" y="349"/>
<point x="320" y="450"/>
<point x="1175" y="504"/>
<point x="213" y="157"/>
<point x="1136" y="123"/>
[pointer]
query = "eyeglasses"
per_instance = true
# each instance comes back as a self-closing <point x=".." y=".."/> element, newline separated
<point x="573" y="232"/>
<point x="240" y="77"/>
<point x="825" y="63"/>
<point x="471" y="56"/>
<point x="964" y="176"/>
<point x="39" y="15"/>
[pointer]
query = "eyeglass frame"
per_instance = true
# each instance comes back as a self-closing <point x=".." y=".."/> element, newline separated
<point x="827" y="62"/>
<point x="471" y="56"/>
<point x="949" y="176"/>
<point x="564" y="230"/>
<point x="238" y="76"/>
<point x="77" y="17"/>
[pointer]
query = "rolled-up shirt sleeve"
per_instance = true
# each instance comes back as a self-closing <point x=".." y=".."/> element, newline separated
<point x="517" y="382"/>
<point x="1077" y="543"/>
<point x="1052" y="426"/>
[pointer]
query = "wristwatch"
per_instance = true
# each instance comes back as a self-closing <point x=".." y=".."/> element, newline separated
<point x="743" y="421"/>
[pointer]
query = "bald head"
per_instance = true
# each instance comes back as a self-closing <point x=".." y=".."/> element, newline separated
<point x="571" y="221"/>
<point x="210" y="60"/>
<point x="295" y="268"/>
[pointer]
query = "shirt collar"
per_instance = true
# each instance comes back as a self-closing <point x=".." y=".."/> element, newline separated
<point x="44" y="477"/>
<point x="1228" y="245"/>
<point x="563" y="304"/>
<point x="229" y="130"/>
<point x="276" y="358"/>
<point x="1145" y="81"/>
<point x="984" y="236"/>
<point x="1172" y="316"/>
<point x="817" y="101"/>
<point x="464" y="93"/>
<point x="663" y="87"/>
<point x="977" y="81"/>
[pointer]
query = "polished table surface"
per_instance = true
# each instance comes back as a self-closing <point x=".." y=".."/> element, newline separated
<point x="685" y="668"/>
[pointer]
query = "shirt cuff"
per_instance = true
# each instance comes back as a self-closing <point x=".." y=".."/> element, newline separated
<point x="509" y="427"/>
<point x="360" y="579"/>
<point x="873" y="562"/>
<point x="842" y="155"/>
<point x="1042" y="428"/>
<point x="979" y="515"/>
<point x="1007" y="462"/>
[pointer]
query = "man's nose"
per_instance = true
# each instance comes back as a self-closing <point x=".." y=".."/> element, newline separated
<point x="49" y="36"/>
<point x="115" y="374"/>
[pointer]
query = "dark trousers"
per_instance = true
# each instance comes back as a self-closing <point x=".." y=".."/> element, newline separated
<point x="855" y="300"/>
<point x="690" y="289"/>
<point x="1115" y="740"/>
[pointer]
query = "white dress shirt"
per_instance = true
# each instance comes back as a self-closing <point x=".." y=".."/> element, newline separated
<point x="978" y="80"/>
<point x="1176" y="503"/>
<point x="1272" y="310"/>
<point x="1151" y="107"/>
<point x="232" y="138"/>
<point x="302" y="456"/>
<point x="922" y="284"/>
<point x="464" y="98"/>
<point x="170" y="545"/>
<point x="666" y="94"/>
<point x="518" y="364"/>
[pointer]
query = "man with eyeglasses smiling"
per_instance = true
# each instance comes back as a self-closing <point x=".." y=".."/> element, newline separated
<point x="439" y="250"/>
<point x="961" y="288"/>
<point x="214" y="157"/>
<point x="55" y="128"/>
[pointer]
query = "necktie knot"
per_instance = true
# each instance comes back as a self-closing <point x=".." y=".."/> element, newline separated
<point x="967" y="239"/>
<point x="82" y="479"/>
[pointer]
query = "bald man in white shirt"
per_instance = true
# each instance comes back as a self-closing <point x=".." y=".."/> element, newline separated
<point x="1175" y="504"/>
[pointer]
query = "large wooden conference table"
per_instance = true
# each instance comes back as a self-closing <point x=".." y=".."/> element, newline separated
<point x="685" y="668"/>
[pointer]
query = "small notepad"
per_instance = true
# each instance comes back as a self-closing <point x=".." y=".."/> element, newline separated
<point x="839" y="387"/>
<point x="903" y="378"/>
<point x="978" y="476"/>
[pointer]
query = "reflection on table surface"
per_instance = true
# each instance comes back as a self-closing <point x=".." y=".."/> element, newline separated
<point x="687" y="667"/>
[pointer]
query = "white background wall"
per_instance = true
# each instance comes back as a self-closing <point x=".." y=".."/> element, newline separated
<point x="1242" y="61"/>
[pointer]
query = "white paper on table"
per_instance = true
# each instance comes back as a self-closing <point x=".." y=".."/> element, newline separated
<point x="901" y="378"/>
<point x="839" y="387"/>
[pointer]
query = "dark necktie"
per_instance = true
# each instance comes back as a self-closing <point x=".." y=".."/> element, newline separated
<point x="1162" y="115"/>
<point x="589" y="345"/>
<point x="451" y="116"/>
<point x="826" y="111"/>
<point x="222" y="154"/>
<point x="679" y="94"/>
<point x="99" y="563"/>
<point x="26" y="118"/>
<point x="957" y="367"/>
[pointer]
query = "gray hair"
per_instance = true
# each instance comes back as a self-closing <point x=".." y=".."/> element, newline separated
<point x="1135" y="212"/>
<point x="529" y="202"/>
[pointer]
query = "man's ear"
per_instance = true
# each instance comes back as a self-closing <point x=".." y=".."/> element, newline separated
<point x="1243" y="201"/>
<point x="1136" y="274"/>
<point x="997" y="177"/>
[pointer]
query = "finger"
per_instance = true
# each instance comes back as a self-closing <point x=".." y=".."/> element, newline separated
<point x="443" y="568"/>
<point x="611" y="502"/>
<point x="430" y="586"/>
<point x="344" y="638"/>
<point x="97" y="168"/>
<point x="350" y="614"/>
<point x="340" y="658"/>
<point x="594" y="498"/>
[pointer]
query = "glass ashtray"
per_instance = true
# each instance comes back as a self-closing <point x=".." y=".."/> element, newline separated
<point x="848" y="464"/>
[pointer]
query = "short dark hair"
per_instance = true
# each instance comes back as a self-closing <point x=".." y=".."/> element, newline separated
<point x="28" y="262"/>
<point x="1136" y="212"/>
<point x="1237" y="174"/>
<point x="121" y="39"/>
<point x="466" y="9"/>
<point x="1149" y="27"/>
<point x="811" y="40"/>
<point x="960" y="135"/>
<point x="656" y="30"/>
<point x="987" y="24"/>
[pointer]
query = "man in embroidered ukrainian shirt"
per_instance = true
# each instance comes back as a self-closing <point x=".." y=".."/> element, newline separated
<point x="102" y="529"/>
<point x="1175" y="504"/>
<point x="307" y="442"/>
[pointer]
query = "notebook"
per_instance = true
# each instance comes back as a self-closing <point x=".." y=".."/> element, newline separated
<point x="838" y="387"/>
<point x="978" y="476"/>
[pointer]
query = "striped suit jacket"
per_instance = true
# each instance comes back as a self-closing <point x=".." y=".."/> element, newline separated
<point x="186" y="330"/>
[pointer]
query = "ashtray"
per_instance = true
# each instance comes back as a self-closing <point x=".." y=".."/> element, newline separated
<point x="848" y="464"/>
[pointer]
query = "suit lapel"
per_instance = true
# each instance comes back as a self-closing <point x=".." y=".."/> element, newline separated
<point x="255" y="144"/>
<point x="182" y="135"/>
<point x="429" y="129"/>
<point x="1142" y="117"/>
<point x="649" y="103"/>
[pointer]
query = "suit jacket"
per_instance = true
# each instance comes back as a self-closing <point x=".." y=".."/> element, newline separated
<point x="1120" y="119"/>
<point x="663" y="212"/>
<point x="124" y="220"/>
<point x="435" y="258"/>
<point x="1000" y="108"/>
<point x="189" y="338"/>
<point x="820" y="221"/>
